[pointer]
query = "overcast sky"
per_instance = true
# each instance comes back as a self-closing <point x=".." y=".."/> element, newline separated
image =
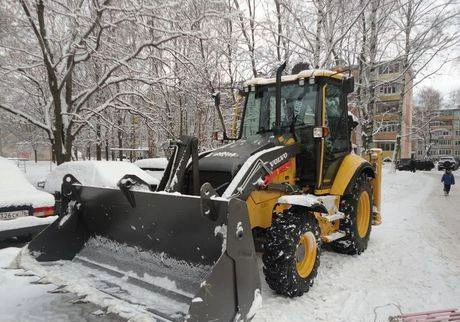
<point x="445" y="80"/>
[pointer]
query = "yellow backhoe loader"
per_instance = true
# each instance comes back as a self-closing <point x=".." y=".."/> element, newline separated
<point x="287" y="184"/>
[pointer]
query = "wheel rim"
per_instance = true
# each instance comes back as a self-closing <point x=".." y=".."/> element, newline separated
<point x="363" y="216"/>
<point x="306" y="254"/>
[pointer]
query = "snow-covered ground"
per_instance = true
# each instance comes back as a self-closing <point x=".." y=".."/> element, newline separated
<point x="412" y="264"/>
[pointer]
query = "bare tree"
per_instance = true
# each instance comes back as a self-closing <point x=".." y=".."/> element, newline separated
<point x="429" y="102"/>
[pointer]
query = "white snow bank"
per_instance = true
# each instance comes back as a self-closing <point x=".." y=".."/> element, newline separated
<point x="15" y="190"/>
<point x="7" y="255"/>
<point x="95" y="173"/>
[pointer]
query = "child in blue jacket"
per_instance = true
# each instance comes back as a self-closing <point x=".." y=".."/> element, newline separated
<point x="448" y="180"/>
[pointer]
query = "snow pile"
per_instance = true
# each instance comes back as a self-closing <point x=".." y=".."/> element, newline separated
<point x="256" y="304"/>
<point x="15" y="190"/>
<point x="114" y="276"/>
<point x="95" y="173"/>
<point x="71" y="277"/>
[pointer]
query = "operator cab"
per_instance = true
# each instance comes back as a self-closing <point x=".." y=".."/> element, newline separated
<point x="311" y="99"/>
<point x="311" y="113"/>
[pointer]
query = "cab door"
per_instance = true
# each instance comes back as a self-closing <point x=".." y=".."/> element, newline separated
<point x="336" y="144"/>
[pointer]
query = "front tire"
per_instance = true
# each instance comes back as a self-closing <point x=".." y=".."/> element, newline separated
<point x="292" y="252"/>
<point x="358" y="218"/>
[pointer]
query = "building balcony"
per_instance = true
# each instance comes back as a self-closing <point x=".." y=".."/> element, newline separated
<point x="385" y="136"/>
<point x="389" y="97"/>
<point x="443" y="118"/>
<point x="386" y="117"/>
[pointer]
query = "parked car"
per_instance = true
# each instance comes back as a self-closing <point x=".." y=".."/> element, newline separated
<point x="24" y="210"/>
<point x="153" y="166"/>
<point x="93" y="173"/>
<point x="425" y="165"/>
<point x="447" y="160"/>
<point x="387" y="160"/>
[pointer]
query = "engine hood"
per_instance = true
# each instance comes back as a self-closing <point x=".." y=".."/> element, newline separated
<point x="231" y="157"/>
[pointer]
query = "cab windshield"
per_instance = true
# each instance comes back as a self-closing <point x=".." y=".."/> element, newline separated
<point x="298" y="107"/>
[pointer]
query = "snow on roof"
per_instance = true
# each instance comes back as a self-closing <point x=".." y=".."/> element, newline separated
<point x="15" y="190"/>
<point x="152" y="163"/>
<point x="95" y="173"/>
<point x="290" y="78"/>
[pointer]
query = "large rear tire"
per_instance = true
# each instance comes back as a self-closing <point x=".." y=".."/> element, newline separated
<point x="358" y="218"/>
<point x="292" y="252"/>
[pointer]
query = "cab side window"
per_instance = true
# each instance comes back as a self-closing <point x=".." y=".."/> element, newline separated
<point x="336" y="144"/>
<point x="336" y="121"/>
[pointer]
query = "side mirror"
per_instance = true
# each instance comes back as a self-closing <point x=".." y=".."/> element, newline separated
<point x="348" y="85"/>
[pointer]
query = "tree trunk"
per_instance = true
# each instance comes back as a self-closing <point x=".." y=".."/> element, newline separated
<point x="98" y="140"/>
<point x="319" y="24"/>
<point x="120" y="140"/>
<point x="106" y="150"/>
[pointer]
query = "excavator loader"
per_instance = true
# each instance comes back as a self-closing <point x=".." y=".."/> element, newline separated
<point x="185" y="250"/>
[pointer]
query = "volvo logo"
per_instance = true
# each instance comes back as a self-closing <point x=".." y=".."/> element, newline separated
<point x="278" y="160"/>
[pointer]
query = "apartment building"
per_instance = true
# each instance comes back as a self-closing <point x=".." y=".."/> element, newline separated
<point x="441" y="136"/>
<point x="389" y="118"/>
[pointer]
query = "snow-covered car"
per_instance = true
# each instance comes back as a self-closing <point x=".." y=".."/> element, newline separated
<point x="94" y="173"/>
<point x="24" y="210"/>
<point x="447" y="160"/>
<point x="153" y="166"/>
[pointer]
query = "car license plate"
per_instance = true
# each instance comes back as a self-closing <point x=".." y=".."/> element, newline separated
<point x="13" y="214"/>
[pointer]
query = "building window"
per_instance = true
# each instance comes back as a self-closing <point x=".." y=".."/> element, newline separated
<point x="386" y="146"/>
<point x="386" y="107"/>
<point x="390" y="88"/>
<point x="440" y="123"/>
<point x="457" y="132"/>
<point x="390" y="68"/>
<point x="445" y="152"/>
<point x="390" y="126"/>
<point x="444" y="142"/>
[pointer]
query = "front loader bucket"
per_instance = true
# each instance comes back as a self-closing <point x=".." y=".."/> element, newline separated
<point x="158" y="251"/>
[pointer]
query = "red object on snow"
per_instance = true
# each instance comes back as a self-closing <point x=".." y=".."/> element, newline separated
<point x="446" y="315"/>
